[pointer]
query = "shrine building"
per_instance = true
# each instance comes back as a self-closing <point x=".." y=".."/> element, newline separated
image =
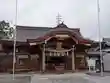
<point x="47" y="49"/>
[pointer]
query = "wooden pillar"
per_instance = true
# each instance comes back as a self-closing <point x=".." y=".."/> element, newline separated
<point x="67" y="53"/>
<point x="73" y="60"/>
<point x="43" y="58"/>
<point x="50" y="53"/>
<point x="1" y="47"/>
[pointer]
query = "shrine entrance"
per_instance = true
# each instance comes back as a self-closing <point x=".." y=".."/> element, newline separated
<point x="56" y="63"/>
<point x="62" y="52"/>
<point x="59" y="49"/>
<point x="58" y="60"/>
<point x="59" y="55"/>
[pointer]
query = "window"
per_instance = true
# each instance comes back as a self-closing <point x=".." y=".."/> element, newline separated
<point x="21" y="62"/>
<point x="22" y="59"/>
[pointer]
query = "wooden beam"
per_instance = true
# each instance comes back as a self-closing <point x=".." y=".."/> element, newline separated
<point x="73" y="60"/>
<point x="43" y="58"/>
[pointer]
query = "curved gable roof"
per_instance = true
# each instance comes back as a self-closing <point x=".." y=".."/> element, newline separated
<point x="74" y="33"/>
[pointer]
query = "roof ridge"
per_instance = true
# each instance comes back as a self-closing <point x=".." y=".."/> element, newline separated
<point x="75" y="28"/>
<point x="22" y="26"/>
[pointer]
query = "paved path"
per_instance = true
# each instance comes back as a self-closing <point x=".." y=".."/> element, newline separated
<point x="63" y="78"/>
<point x="98" y="79"/>
<point x="8" y="78"/>
<point x="58" y="78"/>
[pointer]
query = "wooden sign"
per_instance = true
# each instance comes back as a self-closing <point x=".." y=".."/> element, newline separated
<point x="31" y="44"/>
<point x="62" y="35"/>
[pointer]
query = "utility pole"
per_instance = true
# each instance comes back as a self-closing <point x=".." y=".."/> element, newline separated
<point x="101" y="55"/>
<point x="14" y="45"/>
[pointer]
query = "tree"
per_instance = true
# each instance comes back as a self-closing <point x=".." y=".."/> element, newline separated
<point x="6" y="32"/>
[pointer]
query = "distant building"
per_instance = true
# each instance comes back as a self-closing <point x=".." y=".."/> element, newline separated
<point x="45" y="49"/>
<point x="94" y="53"/>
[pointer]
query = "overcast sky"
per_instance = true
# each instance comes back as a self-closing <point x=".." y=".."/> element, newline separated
<point x="75" y="13"/>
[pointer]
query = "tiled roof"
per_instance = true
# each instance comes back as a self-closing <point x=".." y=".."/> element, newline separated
<point x="52" y="32"/>
<point x="41" y="33"/>
<point x="26" y="32"/>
